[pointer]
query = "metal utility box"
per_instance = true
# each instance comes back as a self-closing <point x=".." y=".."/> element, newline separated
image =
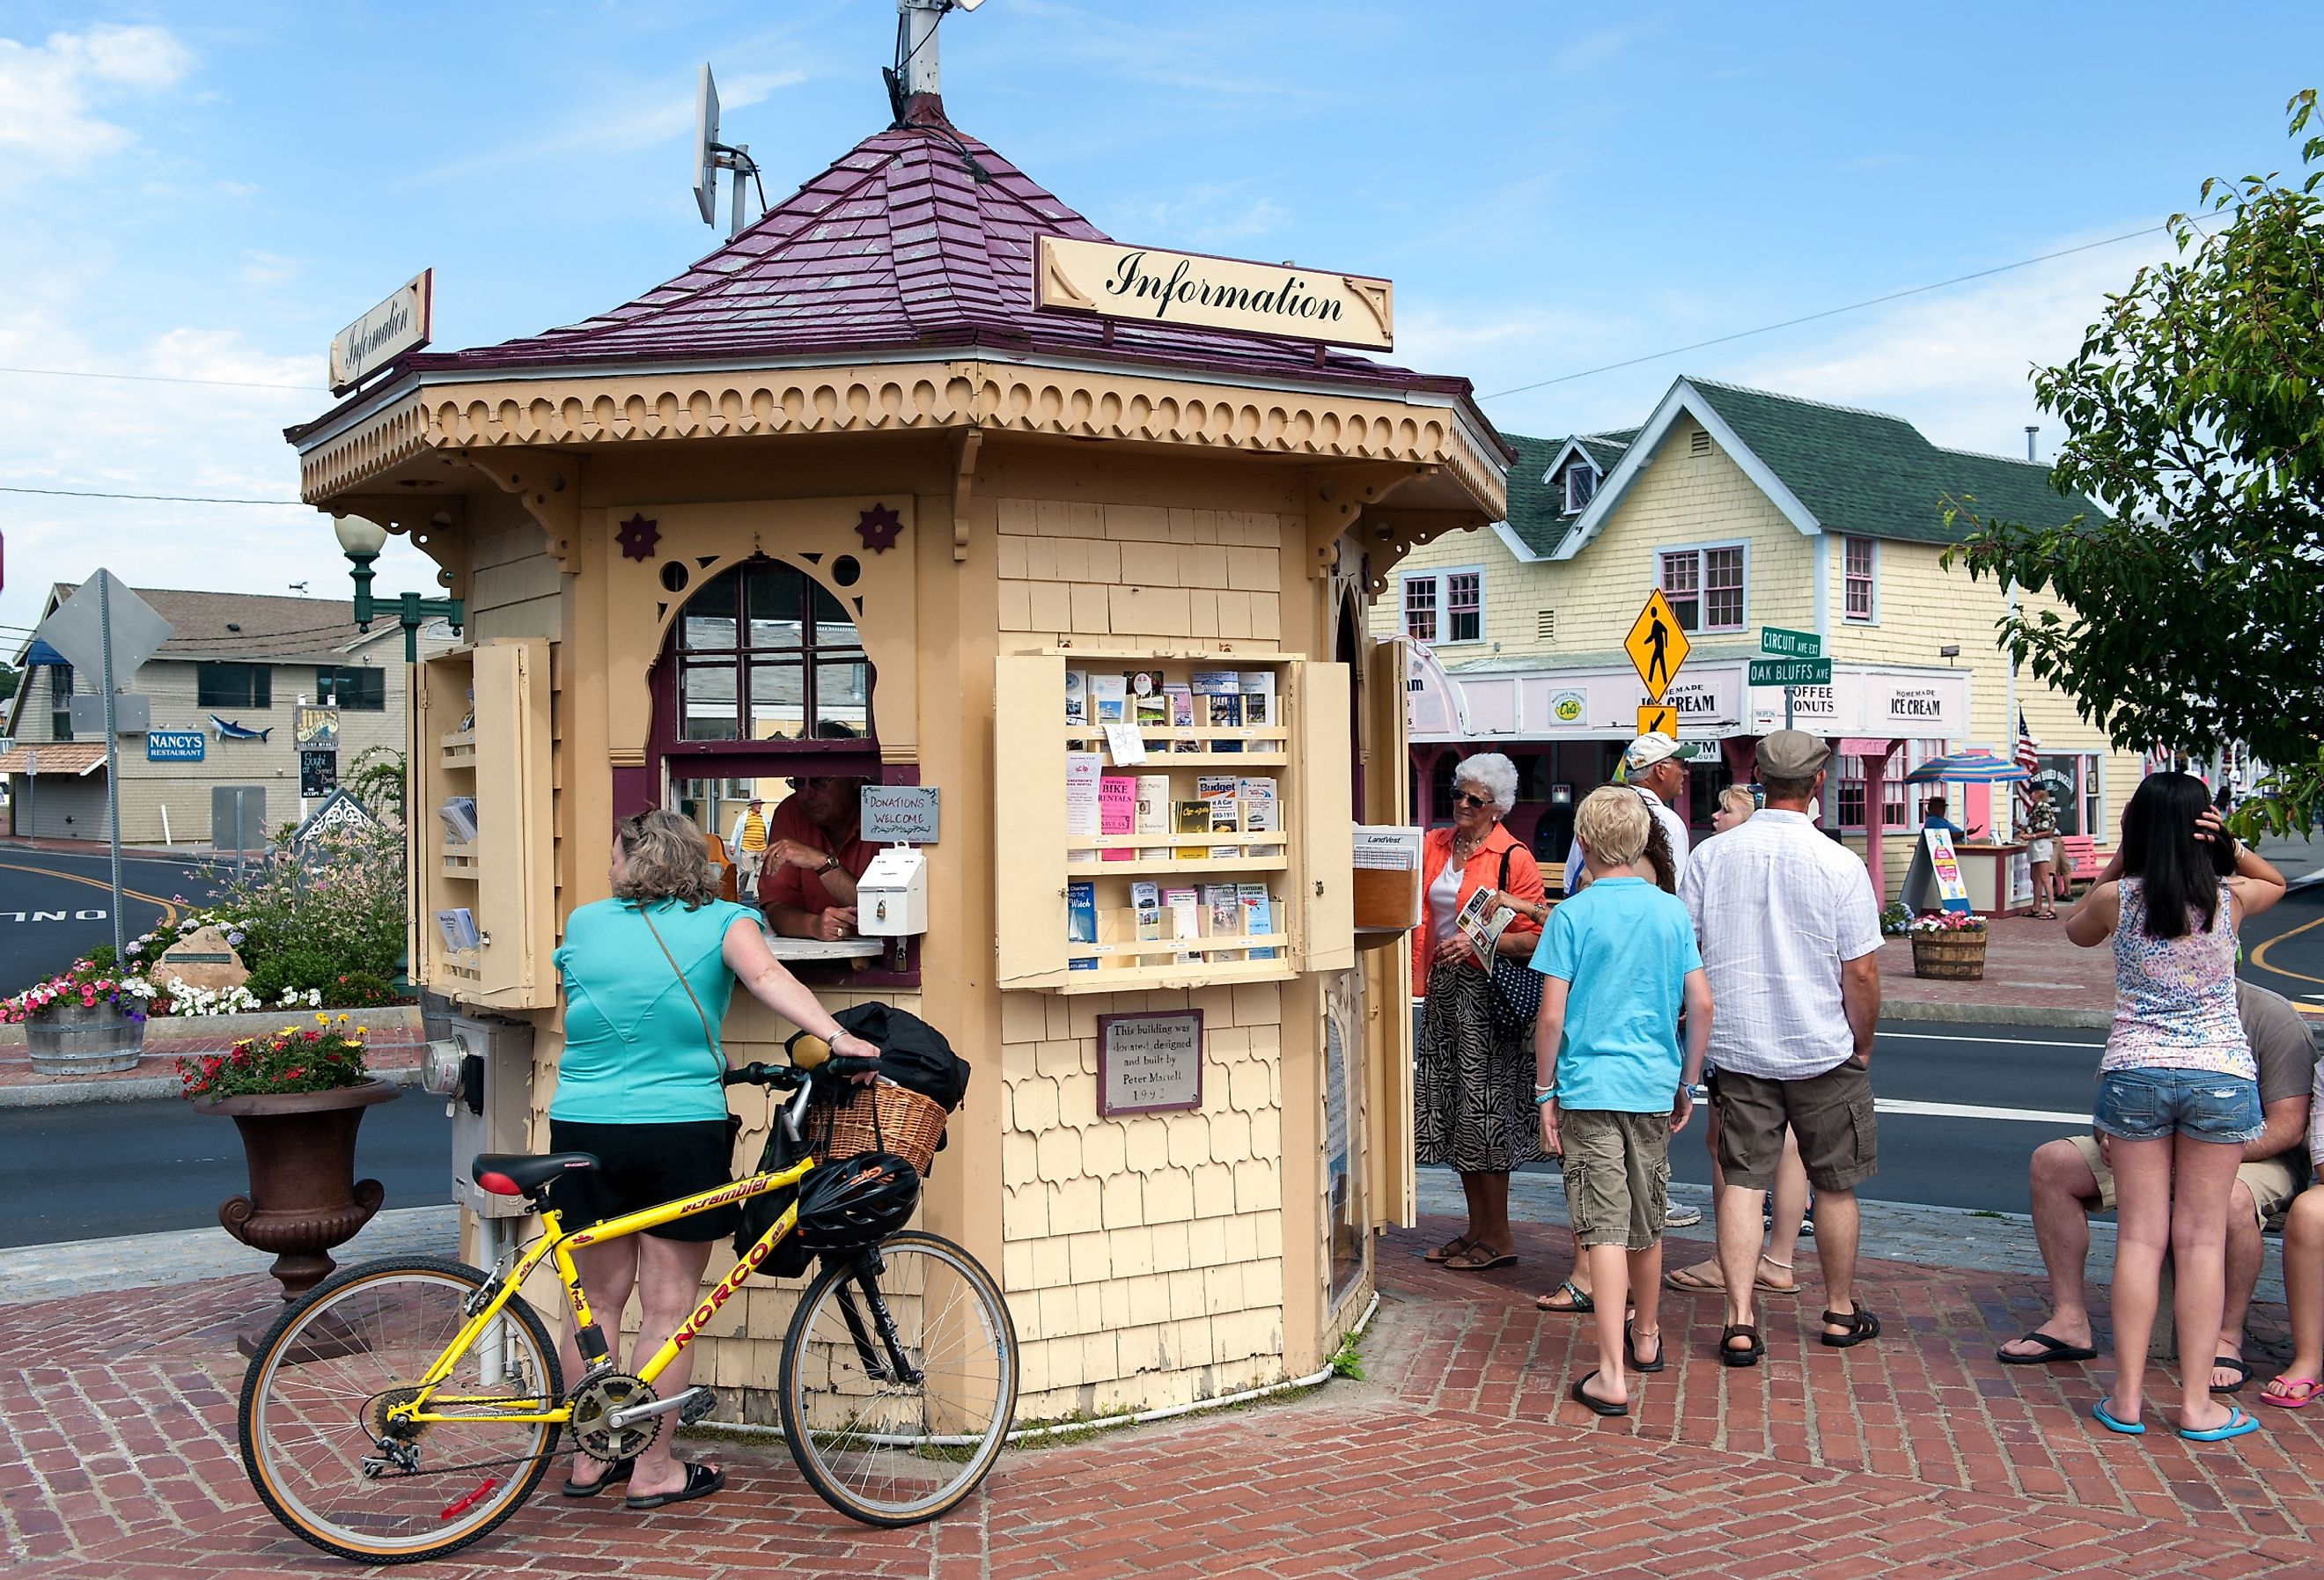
<point x="482" y="1067"/>
<point x="891" y="897"/>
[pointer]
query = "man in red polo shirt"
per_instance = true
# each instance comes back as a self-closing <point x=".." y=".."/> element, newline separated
<point x="815" y="854"/>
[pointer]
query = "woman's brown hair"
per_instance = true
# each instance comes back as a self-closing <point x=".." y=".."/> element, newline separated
<point x="666" y="860"/>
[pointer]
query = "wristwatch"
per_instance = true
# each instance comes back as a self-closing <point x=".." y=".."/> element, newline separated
<point x="829" y="863"/>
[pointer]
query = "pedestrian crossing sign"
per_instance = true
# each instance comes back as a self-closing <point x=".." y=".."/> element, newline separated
<point x="1657" y="645"/>
<point x="1658" y="719"/>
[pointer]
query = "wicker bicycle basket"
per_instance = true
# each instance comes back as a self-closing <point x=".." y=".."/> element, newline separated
<point x="883" y="1118"/>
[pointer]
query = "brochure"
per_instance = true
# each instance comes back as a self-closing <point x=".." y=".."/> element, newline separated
<point x="1117" y="812"/>
<point x="458" y="927"/>
<point x="1260" y="812"/>
<point x="1482" y="931"/>
<point x="1146" y="904"/>
<point x="458" y="816"/>
<point x="1081" y="921"/>
<point x="1148" y="707"/>
<point x="1082" y="771"/>
<point x="1222" y="917"/>
<point x="1185" y="908"/>
<point x="1257" y="915"/>
<point x="1109" y="696"/>
<point x="1223" y="794"/>
<point x="1077" y="697"/>
<point x="1190" y="817"/>
<point x="1259" y="697"/>
<point x="1181" y="699"/>
<point x="1153" y="813"/>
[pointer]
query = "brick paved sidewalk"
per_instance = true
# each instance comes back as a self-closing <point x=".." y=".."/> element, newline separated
<point x="1914" y="1457"/>
<point x="2032" y="977"/>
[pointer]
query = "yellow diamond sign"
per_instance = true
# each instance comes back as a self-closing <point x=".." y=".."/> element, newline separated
<point x="1656" y="646"/>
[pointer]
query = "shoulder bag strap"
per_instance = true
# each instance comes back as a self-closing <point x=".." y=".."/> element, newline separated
<point x="709" y="1038"/>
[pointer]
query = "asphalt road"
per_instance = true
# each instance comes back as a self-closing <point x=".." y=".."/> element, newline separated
<point x="2283" y="949"/>
<point x="56" y="907"/>
<point x="84" y="1171"/>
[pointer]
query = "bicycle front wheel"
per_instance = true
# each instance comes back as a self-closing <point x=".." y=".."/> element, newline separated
<point x="325" y="1449"/>
<point x="899" y="1380"/>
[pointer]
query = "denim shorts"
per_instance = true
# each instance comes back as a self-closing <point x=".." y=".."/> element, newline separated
<point x="2154" y="1105"/>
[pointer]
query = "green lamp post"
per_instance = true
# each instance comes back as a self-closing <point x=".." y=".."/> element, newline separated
<point x="363" y="538"/>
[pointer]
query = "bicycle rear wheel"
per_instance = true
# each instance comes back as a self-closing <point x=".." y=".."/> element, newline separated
<point x="891" y="1444"/>
<point x="316" y="1403"/>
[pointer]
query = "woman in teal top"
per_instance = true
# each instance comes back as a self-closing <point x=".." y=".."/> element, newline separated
<point x="647" y="977"/>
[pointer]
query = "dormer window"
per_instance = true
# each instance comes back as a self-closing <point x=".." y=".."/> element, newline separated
<point x="1580" y="486"/>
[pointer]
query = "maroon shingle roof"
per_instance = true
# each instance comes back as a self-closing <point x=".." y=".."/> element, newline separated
<point x="900" y="247"/>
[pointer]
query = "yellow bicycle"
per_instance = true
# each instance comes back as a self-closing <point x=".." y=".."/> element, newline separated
<point x="404" y="1408"/>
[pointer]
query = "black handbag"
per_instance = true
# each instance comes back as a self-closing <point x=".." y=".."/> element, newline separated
<point x="1513" y="985"/>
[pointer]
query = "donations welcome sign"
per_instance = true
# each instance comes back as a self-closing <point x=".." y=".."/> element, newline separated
<point x="1114" y="281"/>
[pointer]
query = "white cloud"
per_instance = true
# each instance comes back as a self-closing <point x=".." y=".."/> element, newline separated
<point x="51" y="93"/>
<point x="260" y="269"/>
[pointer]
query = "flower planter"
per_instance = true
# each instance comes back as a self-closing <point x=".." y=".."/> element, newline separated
<point x="304" y="1198"/>
<point x="1950" y="956"/>
<point x="71" y="1039"/>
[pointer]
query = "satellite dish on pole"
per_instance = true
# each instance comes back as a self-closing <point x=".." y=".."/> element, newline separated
<point x="706" y="146"/>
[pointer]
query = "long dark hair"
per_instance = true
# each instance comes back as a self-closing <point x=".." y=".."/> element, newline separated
<point x="2179" y="873"/>
<point x="1658" y="856"/>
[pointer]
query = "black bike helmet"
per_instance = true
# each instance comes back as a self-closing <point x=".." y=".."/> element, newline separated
<point x="856" y="1201"/>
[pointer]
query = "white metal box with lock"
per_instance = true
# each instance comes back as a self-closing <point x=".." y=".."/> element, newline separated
<point x="891" y="897"/>
<point x="484" y="1066"/>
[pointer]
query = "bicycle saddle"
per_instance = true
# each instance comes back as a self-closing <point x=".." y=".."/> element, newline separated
<point x="523" y="1173"/>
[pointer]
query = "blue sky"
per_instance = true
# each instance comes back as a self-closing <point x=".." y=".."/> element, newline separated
<point x="208" y="193"/>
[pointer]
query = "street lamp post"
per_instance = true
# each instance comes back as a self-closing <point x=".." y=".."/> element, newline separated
<point x="362" y="540"/>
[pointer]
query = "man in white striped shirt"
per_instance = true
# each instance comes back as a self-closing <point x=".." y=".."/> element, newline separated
<point x="1790" y="938"/>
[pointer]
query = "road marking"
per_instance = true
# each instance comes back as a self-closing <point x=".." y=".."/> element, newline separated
<point x="169" y="907"/>
<point x="2259" y="956"/>
<point x="1997" y="1041"/>
<point x="1971" y="1111"/>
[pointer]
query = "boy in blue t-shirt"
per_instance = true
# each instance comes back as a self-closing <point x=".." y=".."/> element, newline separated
<point x="1620" y="957"/>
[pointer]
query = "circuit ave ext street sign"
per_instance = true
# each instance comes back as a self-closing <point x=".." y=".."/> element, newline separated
<point x="1790" y="672"/>
<point x="1779" y="643"/>
<point x="1657" y="645"/>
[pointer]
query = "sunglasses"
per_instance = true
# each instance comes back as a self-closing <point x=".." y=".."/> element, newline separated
<point x="1468" y="799"/>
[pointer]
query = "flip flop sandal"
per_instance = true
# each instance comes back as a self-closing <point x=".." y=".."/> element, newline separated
<point x="2105" y="1417"/>
<point x="701" y="1481"/>
<point x="2234" y="1364"/>
<point x="2053" y="1349"/>
<point x="2239" y="1422"/>
<point x="1686" y="1282"/>
<point x="2298" y="1392"/>
<point x="1582" y="1304"/>
<point x="1861" y="1326"/>
<point x="618" y="1472"/>
<point x="1452" y="1248"/>
<point x="1467" y="1262"/>
<point x="1730" y="1356"/>
<point x="1631" y="1352"/>
<point x="1581" y="1395"/>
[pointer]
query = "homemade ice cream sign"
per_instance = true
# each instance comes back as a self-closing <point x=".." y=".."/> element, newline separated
<point x="399" y="324"/>
<point x="1147" y="286"/>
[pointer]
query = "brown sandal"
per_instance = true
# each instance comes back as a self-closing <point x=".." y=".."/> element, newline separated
<point x="1448" y="1250"/>
<point x="1730" y="1356"/>
<point x="1476" y="1259"/>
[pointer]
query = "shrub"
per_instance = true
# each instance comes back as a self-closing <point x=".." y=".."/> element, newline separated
<point x="359" y="990"/>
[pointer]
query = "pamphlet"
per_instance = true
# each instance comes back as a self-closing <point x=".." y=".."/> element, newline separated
<point x="1190" y="817"/>
<point x="1148" y="707"/>
<point x="1222" y="915"/>
<point x="1223" y="794"/>
<point x="1153" y="813"/>
<point x="1259" y="812"/>
<point x="458" y="816"/>
<point x="1077" y="697"/>
<point x="1482" y="931"/>
<point x="1082" y="771"/>
<point x="1117" y="812"/>
<point x="1185" y="908"/>
<point x="1218" y="705"/>
<point x="1257" y="915"/>
<point x="458" y="927"/>
<point x="1259" y="697"/>
<point x="1146" y="904"/>
<point x="1109" y="696"/>
<point x="1181" y="699"/>
<point x="1081" y="923"/>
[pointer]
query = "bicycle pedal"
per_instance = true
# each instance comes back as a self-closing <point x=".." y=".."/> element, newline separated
<point x="696" y="1404"/>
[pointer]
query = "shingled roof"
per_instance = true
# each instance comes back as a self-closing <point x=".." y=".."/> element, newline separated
<point x="1537" y="512"/>
<point x="243" y="626"/>
<point x="919" y="239"/>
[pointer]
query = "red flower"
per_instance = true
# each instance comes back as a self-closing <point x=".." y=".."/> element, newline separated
<point x="313" y="1035"/>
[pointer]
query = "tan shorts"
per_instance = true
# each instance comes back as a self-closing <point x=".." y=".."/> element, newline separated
<point x="1616" y="1176"/>
<point x="1831" y="1113"/>
<point x="2268" y="1181"/>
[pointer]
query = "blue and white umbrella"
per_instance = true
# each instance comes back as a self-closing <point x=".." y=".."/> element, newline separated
<point x="1968" y="768"/>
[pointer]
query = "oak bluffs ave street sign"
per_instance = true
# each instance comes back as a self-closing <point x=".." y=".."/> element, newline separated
<point x="402" y="323"/>
<point x="1790" y="672"/>
<point x="1146" y="284"/>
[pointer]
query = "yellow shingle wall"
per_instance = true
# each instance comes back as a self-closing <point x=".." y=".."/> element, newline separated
<point x="1142" y="1256"/>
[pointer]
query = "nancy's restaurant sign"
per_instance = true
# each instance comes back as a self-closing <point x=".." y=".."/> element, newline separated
<point x="398" y="325"/>
<point x="1152" y="286"/>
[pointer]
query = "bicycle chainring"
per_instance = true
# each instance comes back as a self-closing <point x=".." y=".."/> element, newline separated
<point x="594" y="1404"/>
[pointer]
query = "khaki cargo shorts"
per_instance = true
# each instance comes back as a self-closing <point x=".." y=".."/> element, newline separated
<point x="1616" y="1176"/>
<point x="1831" y="1113"/>
<point x="2268" y="1181"/>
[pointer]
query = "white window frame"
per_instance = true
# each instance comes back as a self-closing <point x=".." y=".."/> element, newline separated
<point x="1873" y="617"/>
<point x="1573" y="506"/>
<point x="1702" y="590"/>
<point x="1443" y="579"/>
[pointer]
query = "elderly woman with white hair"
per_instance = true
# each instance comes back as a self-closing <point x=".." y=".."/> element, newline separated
<point x="1472" y="1092"/>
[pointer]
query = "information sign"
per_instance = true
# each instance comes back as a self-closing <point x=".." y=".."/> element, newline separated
<point x="1952" y="894"/>
<point x="1657" y="645"/>
<point x="898" y="814"/>
<point x="1149" y="1063"/>
<point x="1790" y="672"/>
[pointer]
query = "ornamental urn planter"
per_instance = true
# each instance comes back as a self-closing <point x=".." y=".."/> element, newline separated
<point x="73" y="1040"/>
<point x="1949" y="957"/>
<point x="304" y="1198"/>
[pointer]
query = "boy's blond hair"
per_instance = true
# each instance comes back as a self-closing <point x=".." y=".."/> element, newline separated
<point x="1611" y="825"/>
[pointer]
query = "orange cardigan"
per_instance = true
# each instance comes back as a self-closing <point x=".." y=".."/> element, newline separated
<point x="1483" y="871"/>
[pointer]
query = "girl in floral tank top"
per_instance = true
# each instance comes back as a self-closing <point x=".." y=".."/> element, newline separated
<point x="2177" y="1088"/>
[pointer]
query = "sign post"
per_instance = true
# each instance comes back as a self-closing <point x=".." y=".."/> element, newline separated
<point x="1657" y="646"/>
<point x="113" y="634"/>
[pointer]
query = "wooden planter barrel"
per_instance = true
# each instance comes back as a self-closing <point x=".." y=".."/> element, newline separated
<point x="1949" y="957"/>
<point x="69" y="1039"/>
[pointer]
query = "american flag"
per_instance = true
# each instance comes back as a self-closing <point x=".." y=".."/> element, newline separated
<point x="2028" y="756"/>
